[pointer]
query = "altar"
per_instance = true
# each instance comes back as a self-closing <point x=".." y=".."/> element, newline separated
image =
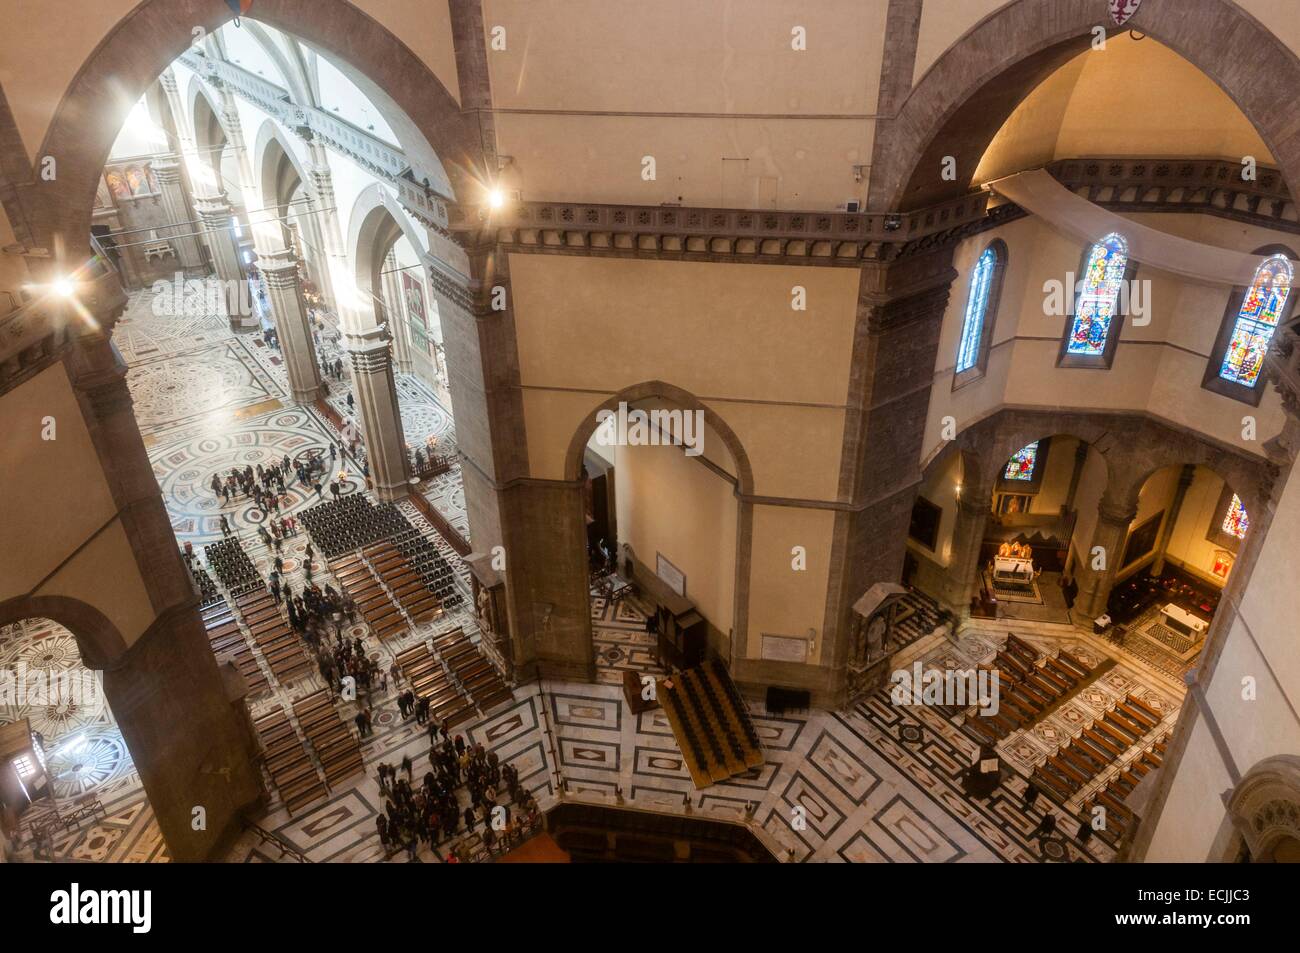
<point x="1013" y="569"/>
<point x="1182" y="621"/>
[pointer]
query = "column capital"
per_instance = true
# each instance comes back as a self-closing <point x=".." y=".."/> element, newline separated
<point x="1118" y="513"/>
<point x="279" y="267"/>
<point x="168" y="169"/>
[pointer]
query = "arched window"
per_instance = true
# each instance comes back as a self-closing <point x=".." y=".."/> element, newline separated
<point x="981" y="310"/>
<point x="1255" y="313"/>
<point x="1022" y="463"/>
<point x="1236" y="521"/>
<point x="1091" y="335"/>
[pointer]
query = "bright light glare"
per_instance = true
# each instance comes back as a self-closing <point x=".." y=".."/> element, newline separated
<point x="64" y="288"/>
<point x="496" y="198"/>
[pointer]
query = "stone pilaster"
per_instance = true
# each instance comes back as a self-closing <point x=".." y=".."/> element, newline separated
<point x="967" y="538"/>
<point x="280" y="270"/>
<point x="179" y="235"/>
<point x="1095" y="584"/>
<point x="1185" y="477"/>
<point x="375" y="390"/>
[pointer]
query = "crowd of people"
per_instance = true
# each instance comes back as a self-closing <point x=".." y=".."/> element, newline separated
<point x="431" y="813"/>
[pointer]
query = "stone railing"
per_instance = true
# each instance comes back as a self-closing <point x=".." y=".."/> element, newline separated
<point x="1164" y="184"/>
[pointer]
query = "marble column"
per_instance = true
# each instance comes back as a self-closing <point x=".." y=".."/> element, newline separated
<point x="967" y="538"/>
<point x="280" y="269"/>
<point x="375" y="389"/>
<point x="180" y="234"/>
<point x="1113" y="520"/>
<point x="216" y="215"/>
<point x="395" y="313"/>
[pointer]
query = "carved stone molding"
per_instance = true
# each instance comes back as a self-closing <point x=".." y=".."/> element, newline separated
<point x="1166" y="184"/>
<point x="717" y="234"/>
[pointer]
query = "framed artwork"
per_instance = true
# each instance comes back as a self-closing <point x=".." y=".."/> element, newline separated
<point x="924" y="528"/>
<point x="416" y="313"/>
<point x="1142" y="540"/>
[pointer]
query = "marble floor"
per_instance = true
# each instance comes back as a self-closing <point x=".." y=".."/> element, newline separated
<point x="878" y="782"/>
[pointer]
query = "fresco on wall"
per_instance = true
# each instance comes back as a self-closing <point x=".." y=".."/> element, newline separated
<point x="413" y="292"/>
<point x="132" y="181"/>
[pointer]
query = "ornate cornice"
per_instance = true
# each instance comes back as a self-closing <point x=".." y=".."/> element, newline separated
<point x="717" y="234"/>
<point x="1166" y="184"/>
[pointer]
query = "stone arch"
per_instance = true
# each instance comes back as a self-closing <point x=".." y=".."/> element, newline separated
<point x="966" y="96"/>
<point x="684" y="399"/>
<point x="100" y="642"/>
<point x="291" y="70"/>
<point x="423" y="114"/>
<point x="210" y="136"/>
<point x="376" y="221"/>
<point x="1265" y="804"/>
<point x="275" y="165"/>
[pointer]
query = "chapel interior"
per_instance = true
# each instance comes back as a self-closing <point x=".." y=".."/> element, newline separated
<point x="553" y="430"/>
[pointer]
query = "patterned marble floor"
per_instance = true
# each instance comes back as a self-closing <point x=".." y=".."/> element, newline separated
<point x="85" y="751"/>
<point x="879" y="782"/>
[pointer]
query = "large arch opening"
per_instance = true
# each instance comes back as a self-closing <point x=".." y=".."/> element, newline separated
<point x="662" y="478"/>
<point x="960" y="104"/>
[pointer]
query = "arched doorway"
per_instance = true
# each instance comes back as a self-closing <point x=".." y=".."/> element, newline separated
<point x="662" y="479"/>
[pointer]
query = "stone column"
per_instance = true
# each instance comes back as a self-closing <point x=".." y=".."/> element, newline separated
<point x="280" y="270"/>
<point x="216" y="214"/>
<point x="395" y="313"/>
<point x="967" y="538"/>
<point x="165" y="689"/>
<point x="375" y="390"/>
<point x="1113" y="520"/>
<point x="180" y="234"/>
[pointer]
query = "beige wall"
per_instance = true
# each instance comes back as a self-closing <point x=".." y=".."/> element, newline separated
<point x="943" y="22"/>
<point x="784" y="600"/>
<point x="940" y="488"/>
<point x="691" y="84"/>
<point x="671" y="504"/>
<point x="76" y="508"/>
<point x="1260" y="646"/>
<point x="425" y="27"/>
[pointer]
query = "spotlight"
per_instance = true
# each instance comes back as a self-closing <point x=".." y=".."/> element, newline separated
<point x="496" y="198"/>
<point x="64" y="288"/>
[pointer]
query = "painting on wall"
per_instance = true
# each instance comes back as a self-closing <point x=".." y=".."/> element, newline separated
<point x="133" y="181"/>
<point x="1222" y="563"/>
<point x="413" y="293"/>
<point x="1143" y="539"/>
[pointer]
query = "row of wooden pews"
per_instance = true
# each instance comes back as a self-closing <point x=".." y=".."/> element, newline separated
<point x="1119" y="818"/>
<point x="228" y="643"/>
<point x="1097" y="748"/>
<point x="1027" y="688"/>
<point x="338" y="752"/>
<point x="429" y="679"/>
<point x="286" y="758"/>
<point x="354" y="574"/>
<point x="273" y="635"/>
<point x="403" y="580"/>
<point x="711" y="723"/>
<point x="475" y="673"/>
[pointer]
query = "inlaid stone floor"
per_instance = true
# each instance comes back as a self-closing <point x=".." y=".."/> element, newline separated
<point x="85" y="752"/>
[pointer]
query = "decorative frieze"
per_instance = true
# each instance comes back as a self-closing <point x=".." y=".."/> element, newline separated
<point x="1212" y="186"/>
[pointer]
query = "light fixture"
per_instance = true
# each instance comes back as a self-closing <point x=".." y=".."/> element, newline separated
<point x="496" y="197"/>
<point x="64" y="288"/>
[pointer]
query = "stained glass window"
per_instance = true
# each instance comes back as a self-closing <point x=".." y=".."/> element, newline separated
<point x="1021" y="465"/>
<point x="1237" y="520"/>
<point x="1264" y="303"/>
<point x="977" y="305"/>
<point x="1098" y="297"/>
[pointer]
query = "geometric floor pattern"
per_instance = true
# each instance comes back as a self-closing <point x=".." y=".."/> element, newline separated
<point x="879" y="782"/>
